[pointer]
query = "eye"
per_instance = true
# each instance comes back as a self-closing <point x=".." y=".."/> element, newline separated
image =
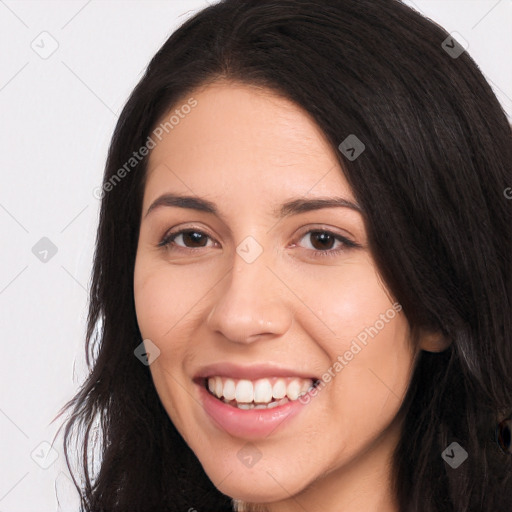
<point x="190" y="238"/>
<point x="323" y="243"/>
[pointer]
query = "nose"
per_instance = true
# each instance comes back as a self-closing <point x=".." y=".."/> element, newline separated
<point x="251" y="304"/>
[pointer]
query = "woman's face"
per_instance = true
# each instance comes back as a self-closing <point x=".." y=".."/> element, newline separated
<point x="266" y="291"/>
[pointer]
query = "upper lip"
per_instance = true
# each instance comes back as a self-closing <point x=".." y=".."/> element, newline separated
<point x="250" y="372"/>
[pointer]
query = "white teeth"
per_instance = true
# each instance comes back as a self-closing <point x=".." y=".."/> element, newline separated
<point x="293" y="389"/>
<point x="229" y="389"/>
<point x="279" y="389"/>
<point x="260" y="394"/>
<point x="218" y="386"/>
<point x="262" y="391"/>
<point x="306" y="386"/>
<point x="244" y="391"/>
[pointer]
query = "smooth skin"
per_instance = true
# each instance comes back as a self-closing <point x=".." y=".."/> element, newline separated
<point x="248" y="150"/>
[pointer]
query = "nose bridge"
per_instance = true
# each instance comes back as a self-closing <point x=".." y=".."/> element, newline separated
<point x="250" y="302"/>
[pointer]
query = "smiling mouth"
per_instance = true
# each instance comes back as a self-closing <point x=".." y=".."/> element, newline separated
<point x="265" y="393"/>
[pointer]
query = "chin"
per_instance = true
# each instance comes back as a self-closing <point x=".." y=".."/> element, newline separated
<point x="263" y="483"/>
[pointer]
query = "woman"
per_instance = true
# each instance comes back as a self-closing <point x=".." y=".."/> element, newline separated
<point x="301" y="296"/>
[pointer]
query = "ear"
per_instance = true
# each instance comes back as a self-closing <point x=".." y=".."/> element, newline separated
<point x="433" y="341"/>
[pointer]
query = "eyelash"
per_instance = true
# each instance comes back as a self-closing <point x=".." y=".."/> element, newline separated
<point x="323" y="253"/>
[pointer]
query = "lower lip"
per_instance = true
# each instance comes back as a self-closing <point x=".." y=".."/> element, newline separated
<point x="248" y="423"/>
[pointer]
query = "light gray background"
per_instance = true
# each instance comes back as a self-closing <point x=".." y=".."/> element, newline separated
<point x="57" y="116"/>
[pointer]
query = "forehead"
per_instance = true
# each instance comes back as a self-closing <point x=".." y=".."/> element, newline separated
<point x="245" y="141"/>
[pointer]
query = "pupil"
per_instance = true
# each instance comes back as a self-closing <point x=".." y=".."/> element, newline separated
<point x="323" y="238"/>
<point x="195" y="237"/>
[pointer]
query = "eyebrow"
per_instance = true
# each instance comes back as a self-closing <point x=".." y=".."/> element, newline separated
<point x="291" y="207"/>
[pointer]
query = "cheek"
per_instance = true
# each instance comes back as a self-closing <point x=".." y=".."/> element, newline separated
<point x="164" y="305"/>
<point x="371" y="340"/>
<point x="163" y="298"/>
<point x="365" y="338"/>
<point x="344" y="303"/>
